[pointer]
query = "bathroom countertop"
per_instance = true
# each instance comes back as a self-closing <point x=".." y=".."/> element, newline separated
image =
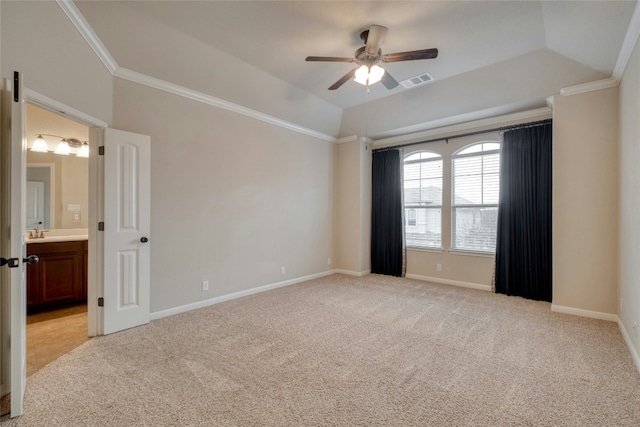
<point x="58" y="239"/>
<point x="60" y="235"/>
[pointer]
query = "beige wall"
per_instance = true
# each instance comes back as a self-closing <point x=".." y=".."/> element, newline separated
<point x="39" y="40"/>
<point x="629" y="179"/>
<point x="353" y="207"/>
<point x="585" y="201"/>
<point x="233" y="199"/>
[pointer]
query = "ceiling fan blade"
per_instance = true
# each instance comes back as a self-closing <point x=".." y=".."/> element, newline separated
<point x="388" y="81"/>
<point x="328" y="59"/>
<point x="343" y="80"/>
<point x="411" y="55"/>
<point x="375" y="38"/>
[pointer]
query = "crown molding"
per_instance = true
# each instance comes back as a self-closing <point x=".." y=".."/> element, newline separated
<point x="346" y="139"/>
<point x="101" y="51"/>
<point x="629" y="43"/>
<point x="589" y="87"/>
<point x="74" y="15"/>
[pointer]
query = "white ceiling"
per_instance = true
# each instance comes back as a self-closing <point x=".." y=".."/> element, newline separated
<point x="275" y="37"/>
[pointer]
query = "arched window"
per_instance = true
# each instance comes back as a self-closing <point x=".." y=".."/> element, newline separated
<point x="423" y="199"/>
<point x="474" y="196"/>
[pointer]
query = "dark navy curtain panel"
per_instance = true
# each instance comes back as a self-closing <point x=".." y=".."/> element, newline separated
<point x="523" y="248"/>
<point x="386" y="214"/>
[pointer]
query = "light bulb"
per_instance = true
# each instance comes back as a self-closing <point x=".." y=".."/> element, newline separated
<point x="375" y="74"/>
<point x="84" y="150"/>
<point x="63" y="148"/>
<point x="362" y="74"/>
<point x="40" y="145"/>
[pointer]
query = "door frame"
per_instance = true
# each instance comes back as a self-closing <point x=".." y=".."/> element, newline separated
<point x="95" y="283"/>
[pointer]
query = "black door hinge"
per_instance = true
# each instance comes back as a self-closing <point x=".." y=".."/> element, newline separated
<point x="100" y="302"/>
<point x="16" y="86"/>
<point x="101" y="226"/>
<point x="101" y="150"/>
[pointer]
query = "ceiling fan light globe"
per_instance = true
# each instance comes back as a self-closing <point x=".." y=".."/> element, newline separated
<point x="375" y="74"/>
<point x="362" y="74"/>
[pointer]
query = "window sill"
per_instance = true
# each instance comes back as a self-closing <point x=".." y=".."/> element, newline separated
<point x="472" y="253"/>
<point x="434" y="250"/>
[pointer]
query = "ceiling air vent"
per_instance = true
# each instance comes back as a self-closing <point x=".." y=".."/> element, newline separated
<point x="417" y="80"/>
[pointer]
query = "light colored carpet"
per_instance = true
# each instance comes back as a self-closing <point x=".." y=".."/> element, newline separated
<point x="348" y="351"/>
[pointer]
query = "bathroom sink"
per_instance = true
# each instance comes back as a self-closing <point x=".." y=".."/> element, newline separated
<point x="59" y="235"/>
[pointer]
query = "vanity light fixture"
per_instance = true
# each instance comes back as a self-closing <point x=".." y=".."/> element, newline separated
<point x="64" y="146"/>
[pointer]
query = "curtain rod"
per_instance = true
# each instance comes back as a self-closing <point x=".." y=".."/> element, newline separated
<point x="462" y="135"/>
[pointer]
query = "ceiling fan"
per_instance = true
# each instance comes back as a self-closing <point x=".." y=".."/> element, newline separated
<point x="368" y="57"/>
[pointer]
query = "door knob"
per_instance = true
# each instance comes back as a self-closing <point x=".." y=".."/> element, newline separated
<point x="144" y="239"/>
<point x="31" y="259"/>
<point x="10" y="262"/>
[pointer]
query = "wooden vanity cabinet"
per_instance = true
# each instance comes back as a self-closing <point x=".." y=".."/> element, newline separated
<point x="60" y="277"/>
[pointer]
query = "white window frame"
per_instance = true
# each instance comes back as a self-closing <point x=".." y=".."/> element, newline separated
<point x="436" y="157"/>
<point x="459" y="154"/>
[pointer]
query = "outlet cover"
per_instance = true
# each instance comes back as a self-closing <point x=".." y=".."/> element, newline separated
<point x="205" y="285"/>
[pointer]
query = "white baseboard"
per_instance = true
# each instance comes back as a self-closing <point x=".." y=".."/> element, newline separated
<point x="584" y="313"/>
<point x="352" y="273"/>
<point x="450" y="282"/>
<point x="229" y="297"/>
<point x="632" y="349"/>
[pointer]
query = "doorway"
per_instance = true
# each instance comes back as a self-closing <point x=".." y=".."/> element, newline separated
<point x="57" y="231"/>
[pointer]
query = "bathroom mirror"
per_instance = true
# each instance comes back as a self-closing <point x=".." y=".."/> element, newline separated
<point x="57" y="185"/>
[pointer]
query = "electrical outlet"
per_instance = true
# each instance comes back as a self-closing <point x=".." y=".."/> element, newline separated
<point x="205" y="285"/>
<point x="283" y="270"/>
<point x="438" y="267"/>
<point x="328" y="261"/>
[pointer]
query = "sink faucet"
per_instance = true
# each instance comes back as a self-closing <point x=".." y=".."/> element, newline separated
<point x="34" y="234"/>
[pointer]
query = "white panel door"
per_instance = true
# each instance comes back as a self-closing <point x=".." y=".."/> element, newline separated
<point x="14" y="146"/>
<point x="126" y="230"/>
<point x="35" y="205"/>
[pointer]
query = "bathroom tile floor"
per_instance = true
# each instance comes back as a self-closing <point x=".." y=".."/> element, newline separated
<point x="54" y="333"/>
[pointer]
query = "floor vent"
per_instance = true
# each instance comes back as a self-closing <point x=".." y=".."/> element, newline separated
<point x="417" y="80"/>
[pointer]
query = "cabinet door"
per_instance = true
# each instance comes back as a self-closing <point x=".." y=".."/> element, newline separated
<point x="60" y="278"/>
<point x="33" y="279"/>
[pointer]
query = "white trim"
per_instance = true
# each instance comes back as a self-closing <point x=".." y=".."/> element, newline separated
<point x="346" y="139"/>
<point x="352" y="273"/>
<point x="462" y="126"/>
<point x="589" y="87"/>
<point x="70" y="9"/>
<point x="629" y="43"/>
<point x="450" y="282"/>
<point x="471" y="253"/>
<point x="58" y="107"/>
<point x="627" y="340"/>
<point x="584" y="313"/>
<point x="432" y="250"/>
<point x="200" y="304"/>
<point x="550" y="102"/>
